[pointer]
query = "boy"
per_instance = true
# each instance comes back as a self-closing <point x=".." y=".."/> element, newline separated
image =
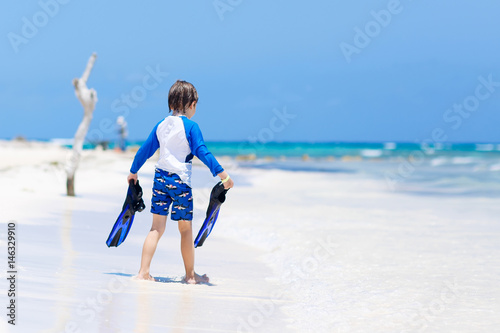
<point x="178" y="138"/>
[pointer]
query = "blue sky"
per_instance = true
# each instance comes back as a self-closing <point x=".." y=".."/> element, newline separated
<point x="262" y="58"/>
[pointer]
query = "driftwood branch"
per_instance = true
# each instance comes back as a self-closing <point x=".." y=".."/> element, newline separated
<point x="88" y="69"/>
<point x="88" y="99"/>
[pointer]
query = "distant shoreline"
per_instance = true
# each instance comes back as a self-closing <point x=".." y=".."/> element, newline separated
<point x="380" y="159"/>
<point x="245" y="150"/>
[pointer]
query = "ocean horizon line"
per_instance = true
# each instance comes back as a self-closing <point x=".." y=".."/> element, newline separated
<point x="263" y="142"/>
<point x="305" y="150"/>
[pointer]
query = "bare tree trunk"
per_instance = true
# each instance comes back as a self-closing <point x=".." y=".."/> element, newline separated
<point x="88" y="99"/>
<point x="70" y="186"/>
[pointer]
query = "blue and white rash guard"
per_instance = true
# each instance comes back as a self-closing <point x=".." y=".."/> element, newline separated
<point x="178" y="138"/>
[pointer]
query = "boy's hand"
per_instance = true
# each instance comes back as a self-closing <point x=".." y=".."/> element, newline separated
<point x="229" y="183"/>
<point x="132" y="176"/>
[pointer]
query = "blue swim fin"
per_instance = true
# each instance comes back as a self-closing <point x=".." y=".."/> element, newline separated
<point x="133" y="203"/>
<point x="217" y="198"/>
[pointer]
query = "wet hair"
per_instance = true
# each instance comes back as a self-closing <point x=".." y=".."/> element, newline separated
<point x="181" y="95"/>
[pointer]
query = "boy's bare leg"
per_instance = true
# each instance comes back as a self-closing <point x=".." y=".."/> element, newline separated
<point x="187" y="250"/>
<point x="149" y="248"/>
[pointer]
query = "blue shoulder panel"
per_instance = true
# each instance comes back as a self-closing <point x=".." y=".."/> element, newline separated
<point x="146" y="151"/>
<point x="198" y="147"/>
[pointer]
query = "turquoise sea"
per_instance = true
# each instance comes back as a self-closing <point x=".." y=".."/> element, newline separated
<point x="338" y="149"/>
<point x="471" y="169"/>
<point x="463" y="169"/>
<point x="334" y="150"/>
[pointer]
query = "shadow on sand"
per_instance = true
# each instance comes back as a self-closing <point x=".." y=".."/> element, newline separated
<point x="161" y="279"/>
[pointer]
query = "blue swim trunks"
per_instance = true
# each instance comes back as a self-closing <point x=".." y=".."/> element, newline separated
<point x="169" y="189"/>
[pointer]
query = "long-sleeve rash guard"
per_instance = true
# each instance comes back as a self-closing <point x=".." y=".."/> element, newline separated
<point x="178" y="138"/>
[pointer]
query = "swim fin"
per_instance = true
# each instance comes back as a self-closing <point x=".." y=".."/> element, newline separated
<point x="217" y="198"/>
<point x="133" y="203"/>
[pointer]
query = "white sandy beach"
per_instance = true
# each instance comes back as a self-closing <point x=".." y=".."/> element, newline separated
<point x="291" y="251"/>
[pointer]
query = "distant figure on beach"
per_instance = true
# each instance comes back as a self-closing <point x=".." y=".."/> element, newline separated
<point x="122" y="132"/>
<point x="178" y="138"/>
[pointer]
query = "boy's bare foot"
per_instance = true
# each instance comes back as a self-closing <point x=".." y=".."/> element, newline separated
<point x="196" y="279"/>
<point x="146" y="277"/>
